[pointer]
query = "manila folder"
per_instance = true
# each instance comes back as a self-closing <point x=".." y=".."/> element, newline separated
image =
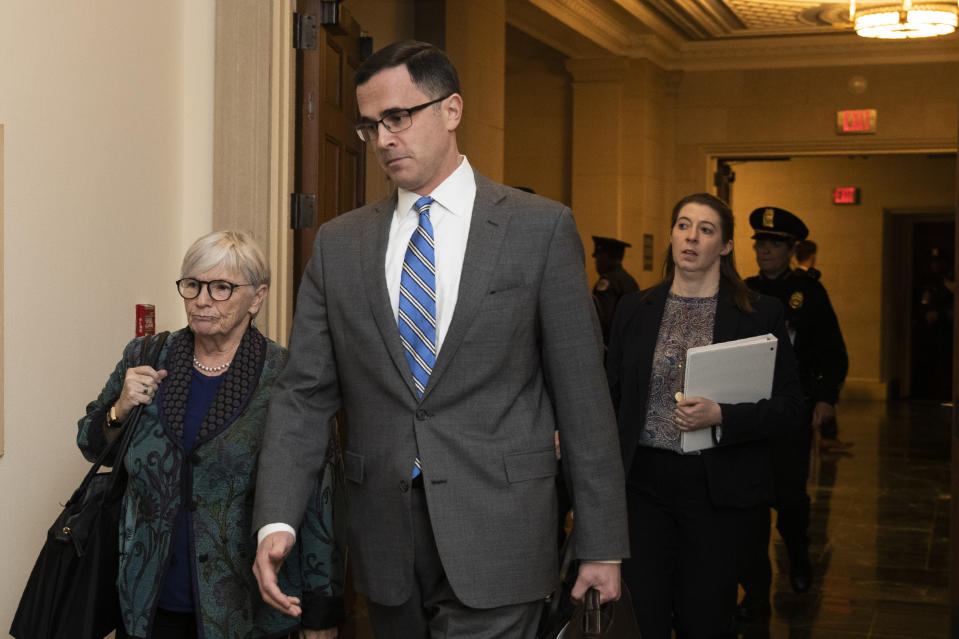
<point x="728" y="373"/>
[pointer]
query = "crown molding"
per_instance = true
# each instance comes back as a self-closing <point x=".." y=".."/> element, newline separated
<point x="629" y="28"/>
<point x="842" y="146"/>
<point x="677" y="20"/>
<point x="590" y="20"/>
<point x="568" y="41"/>
<point x="653" y="20"/>
<point x="598" y="70"/>
<point x="656" y="50"/>
<point x="810" y="51"/>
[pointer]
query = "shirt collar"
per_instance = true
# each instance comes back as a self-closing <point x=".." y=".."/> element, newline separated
<point x="455" y="194"/>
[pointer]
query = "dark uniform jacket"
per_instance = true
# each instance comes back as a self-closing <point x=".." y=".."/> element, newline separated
<point x="813" y="330"/>
<point x="611" y="286"/>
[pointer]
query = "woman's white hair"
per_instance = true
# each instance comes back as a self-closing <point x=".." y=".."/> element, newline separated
<point x="235" y="250"/>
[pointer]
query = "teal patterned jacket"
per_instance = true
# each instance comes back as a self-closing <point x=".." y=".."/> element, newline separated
<point x="215" y="485"/>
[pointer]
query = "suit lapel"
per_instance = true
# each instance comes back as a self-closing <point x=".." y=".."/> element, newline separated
<point x="487" y="230"/>
<point x="648" y="332"/>
<point x="376" y="235"/>
<point x="726" y="324"/>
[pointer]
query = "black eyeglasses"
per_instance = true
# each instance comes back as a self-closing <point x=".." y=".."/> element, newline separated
<point x="395" y="121"/>
<point x="219" y="290"/>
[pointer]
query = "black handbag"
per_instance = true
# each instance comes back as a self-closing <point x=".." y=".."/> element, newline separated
<point x="564" y="619"/>
<point x="72" y="590"/>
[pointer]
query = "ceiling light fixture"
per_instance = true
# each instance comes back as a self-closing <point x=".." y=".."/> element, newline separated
<point x="906" y="20"/>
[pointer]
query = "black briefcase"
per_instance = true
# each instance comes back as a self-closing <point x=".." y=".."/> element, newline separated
<point x="564" y="619"/>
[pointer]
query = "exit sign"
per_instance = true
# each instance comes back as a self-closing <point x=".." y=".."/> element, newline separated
<point x="845" y="195"/>
<point x="856" y="122"/>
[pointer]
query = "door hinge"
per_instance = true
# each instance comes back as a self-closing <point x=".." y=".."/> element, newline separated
<point x="364" y="48"/>
<point x="302" y="211"/>
<point x="304" y="31"/>
<point x="331" y="18"/>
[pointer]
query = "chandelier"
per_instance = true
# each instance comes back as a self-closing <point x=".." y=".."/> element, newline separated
<point x="905" y="20"/>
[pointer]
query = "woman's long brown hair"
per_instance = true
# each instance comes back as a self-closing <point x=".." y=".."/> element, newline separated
<point x="742" y="294"/>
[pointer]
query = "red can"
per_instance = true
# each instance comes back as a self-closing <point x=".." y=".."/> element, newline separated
<point x="146" y="319"/>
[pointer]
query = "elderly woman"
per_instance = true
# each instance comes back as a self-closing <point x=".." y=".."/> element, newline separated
<point x="688" y="513"/>
<point x="186" y="546"/>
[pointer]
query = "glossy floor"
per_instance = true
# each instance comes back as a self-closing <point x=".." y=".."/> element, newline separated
<point x="880" y="533"/>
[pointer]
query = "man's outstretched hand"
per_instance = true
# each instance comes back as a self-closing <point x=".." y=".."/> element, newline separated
<point x="270" y="554"/>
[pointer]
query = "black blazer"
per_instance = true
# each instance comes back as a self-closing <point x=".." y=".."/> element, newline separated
<point x="738" y="470"/>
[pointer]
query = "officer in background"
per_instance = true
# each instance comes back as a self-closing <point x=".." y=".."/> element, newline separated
<point x="829" y="441"/>
<point x="823" y="363"/>
<point x="806" y="258"/>
<point x="614" y="281"/>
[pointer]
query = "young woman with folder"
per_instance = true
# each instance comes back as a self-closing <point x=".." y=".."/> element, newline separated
<point x="689" y="512"/>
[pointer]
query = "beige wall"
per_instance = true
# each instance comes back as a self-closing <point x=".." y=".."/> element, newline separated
<point x="649" y="153"/>
<point x="790" y="111"/>
<point x="598" y="149"/>
<point x="385" y="21"/>
<point x="697" y="116"/>
<point x="539" y="118"/>
<point x="850" y="238"/>
<point x="107" y="124"/>
<point x="642" y="137"/>
<point x="476" y="43"/>
<point x="623" y="148"/>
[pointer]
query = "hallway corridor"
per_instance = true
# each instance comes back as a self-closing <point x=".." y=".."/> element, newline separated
<point x="880" y="532"/>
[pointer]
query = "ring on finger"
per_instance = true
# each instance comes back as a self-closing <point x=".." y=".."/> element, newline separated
<point x="146" y="390"/>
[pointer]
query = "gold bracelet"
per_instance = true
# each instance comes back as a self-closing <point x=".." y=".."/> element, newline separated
<point x="112" y="421"/>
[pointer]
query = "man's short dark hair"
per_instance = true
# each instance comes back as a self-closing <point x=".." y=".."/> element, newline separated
<point x="805" y="250"/>
<point x="431" y="71"/>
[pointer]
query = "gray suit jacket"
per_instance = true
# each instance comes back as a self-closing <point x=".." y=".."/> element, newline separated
<point x="522" y="357"/>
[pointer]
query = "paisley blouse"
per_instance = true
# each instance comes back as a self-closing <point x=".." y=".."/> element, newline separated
<point x="687" y="323"/>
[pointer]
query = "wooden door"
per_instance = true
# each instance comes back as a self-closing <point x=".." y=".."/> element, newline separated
<point x="328" y="157"/>
<point x="931" y="312"/>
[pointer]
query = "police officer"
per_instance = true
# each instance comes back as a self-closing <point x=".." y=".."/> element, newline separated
<point x="806" y="258"/>
<point x="822" y="360"/>
<point x="614" y="281"/>
<point x="829" y="441"/>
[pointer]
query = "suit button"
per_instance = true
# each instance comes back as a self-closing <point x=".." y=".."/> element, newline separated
<point x="421" y="414"/>
<point x="193" y="505"/>
<point x="404" y="485"/>
<point x="202" y="558"/>
<point x="195" y="459"/>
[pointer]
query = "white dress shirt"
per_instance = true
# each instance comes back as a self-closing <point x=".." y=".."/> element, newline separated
<point x="450" y="215"/>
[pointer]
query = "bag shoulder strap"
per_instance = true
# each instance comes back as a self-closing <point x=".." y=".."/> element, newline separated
<point x="149" y="354"/>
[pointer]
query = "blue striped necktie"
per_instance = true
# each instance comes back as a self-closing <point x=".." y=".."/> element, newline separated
<point x="417" y="309"/>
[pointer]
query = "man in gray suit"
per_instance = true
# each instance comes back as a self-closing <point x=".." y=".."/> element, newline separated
<point x="457" y="332"/>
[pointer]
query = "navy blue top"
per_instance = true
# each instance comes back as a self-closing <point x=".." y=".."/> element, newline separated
<point x="177" y="593"/>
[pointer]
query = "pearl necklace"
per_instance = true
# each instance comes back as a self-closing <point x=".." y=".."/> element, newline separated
<point x="209" y="369"/>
